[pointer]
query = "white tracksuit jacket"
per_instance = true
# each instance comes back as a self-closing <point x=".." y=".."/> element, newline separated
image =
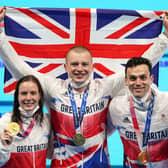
<point x="25" y="152"/>
<point x="158" y="136"/>
<point x="94" y="152"/>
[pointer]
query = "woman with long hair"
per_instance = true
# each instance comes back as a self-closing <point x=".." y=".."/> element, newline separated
<point x="25" y="131"/>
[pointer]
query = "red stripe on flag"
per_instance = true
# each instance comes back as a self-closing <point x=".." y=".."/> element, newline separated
<point x="103" y="69"/>
<point x="118" y="51"/>
<point x="159" y="13"/>
<point x="10" y="87"/>
<point x="49" y="68"/>
<point x="45" y="23"/>
<point x="97" y="50"/>
<point x="83" y="23"/>
<point x="127" y="28"/>
<point x="41" y="51"/>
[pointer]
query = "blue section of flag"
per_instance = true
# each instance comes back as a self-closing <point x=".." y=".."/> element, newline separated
<point x="106" y="16"/>
<point x="7" y="75"/>
<point x="17" y="30"/>
<point x="61" y="15"/>
<point x="149" y="31"/>
<point x="33" y="64"/>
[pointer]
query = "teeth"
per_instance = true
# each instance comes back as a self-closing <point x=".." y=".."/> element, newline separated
<point x="29" y="103"/>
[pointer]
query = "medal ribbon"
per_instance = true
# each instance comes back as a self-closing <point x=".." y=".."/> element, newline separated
<point x="147" y="123"/>
<point x="78" y="116"/>
<point x="28" y="130"/>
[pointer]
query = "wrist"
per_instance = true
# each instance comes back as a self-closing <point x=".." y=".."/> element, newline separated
<point x="165" y="33"/>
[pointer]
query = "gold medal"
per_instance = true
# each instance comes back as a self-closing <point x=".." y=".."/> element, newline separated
<point x="78" y="139"/>
<point x="143" y="157"/>
<point x="13" y="128"/>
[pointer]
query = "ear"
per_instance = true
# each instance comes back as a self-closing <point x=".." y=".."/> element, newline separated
<point x="65" y="66"/>
<point x="152" y="79"/>
<point x="93" y="65"/>
<point x="126" y="81"/>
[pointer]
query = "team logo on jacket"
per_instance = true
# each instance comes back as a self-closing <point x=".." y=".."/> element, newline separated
<point x="126" y="120"/>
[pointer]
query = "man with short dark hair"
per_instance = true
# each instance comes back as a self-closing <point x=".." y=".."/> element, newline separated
<point x="141" y="117"/>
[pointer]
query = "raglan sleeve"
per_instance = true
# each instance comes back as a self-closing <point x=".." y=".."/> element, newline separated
<point x="4" y="154"/>
<point x="157" y="50"/>
<point x="14" y="63"/>
<point x="4" y="150"/>
<point x="18" y="67"/>
<point x="115" y="84"/>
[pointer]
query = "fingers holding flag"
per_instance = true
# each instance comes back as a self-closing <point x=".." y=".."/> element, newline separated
<point x="165" y="23"/>
<point x="2" y="14"/>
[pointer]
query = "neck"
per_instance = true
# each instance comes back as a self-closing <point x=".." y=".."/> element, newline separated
<point x="146" y="97"/>
<point x="79" y="87"/>
<point x="28" y="114"/>
<point x="149" y="97"/>
<point x="80" y="90"/>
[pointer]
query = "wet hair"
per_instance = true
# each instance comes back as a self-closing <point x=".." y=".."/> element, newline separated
<point x="16" y="116"/>
<point x="78" y="49"/>
<point x="135" y="61"/>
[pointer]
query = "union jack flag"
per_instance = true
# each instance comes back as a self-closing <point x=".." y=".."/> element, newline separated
<point x="42" y="36"/>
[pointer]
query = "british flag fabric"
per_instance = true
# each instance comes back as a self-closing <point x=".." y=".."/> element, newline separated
<point x="42" y="36"/>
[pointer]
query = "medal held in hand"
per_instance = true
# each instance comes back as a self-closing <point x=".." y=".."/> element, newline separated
<point x="143" y="157"/>
<point x="78" y="139"/>
<point x="13" y="128"/>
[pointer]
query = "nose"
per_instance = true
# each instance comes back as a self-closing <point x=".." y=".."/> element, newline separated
<point x="79" y="67"/>
<point x="138" y="81"/>
<point x="28" y="96"/>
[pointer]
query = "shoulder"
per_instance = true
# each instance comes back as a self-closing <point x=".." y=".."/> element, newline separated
<point x="118" y="103"/>
<point x="54" y="85"/>
<point x="109" y="85"/>
<point x="160" y="95"/>
<point x="118" y="109"/>
<point x="6" y="117"/>
<point x="51" y="80"/>
<point x="120" y="99"/>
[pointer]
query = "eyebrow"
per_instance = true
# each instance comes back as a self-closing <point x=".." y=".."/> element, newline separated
<point x="139" y="76"/>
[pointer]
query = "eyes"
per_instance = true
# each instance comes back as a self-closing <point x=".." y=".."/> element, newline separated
<point x="141" y="77"/>
<point x="75" y="64"/>
<point x="24" y="93"/>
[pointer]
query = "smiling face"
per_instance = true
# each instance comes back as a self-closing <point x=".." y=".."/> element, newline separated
<point x="79" y="65"/>
<point x="28" y="95"/>
<point x="138" y="80"/>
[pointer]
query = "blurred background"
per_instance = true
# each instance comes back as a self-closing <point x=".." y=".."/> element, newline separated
<point x="114" y="143"/>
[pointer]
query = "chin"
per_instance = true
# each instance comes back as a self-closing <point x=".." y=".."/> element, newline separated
<point x="79" y="81"/>
<point x="138" y="96"/>
<point x="29" y="109"/>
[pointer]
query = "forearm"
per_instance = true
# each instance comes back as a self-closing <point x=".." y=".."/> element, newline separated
<point x="12" y="61"/>
<point x="4" y="154"/>
<point x="157" y="50"/>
